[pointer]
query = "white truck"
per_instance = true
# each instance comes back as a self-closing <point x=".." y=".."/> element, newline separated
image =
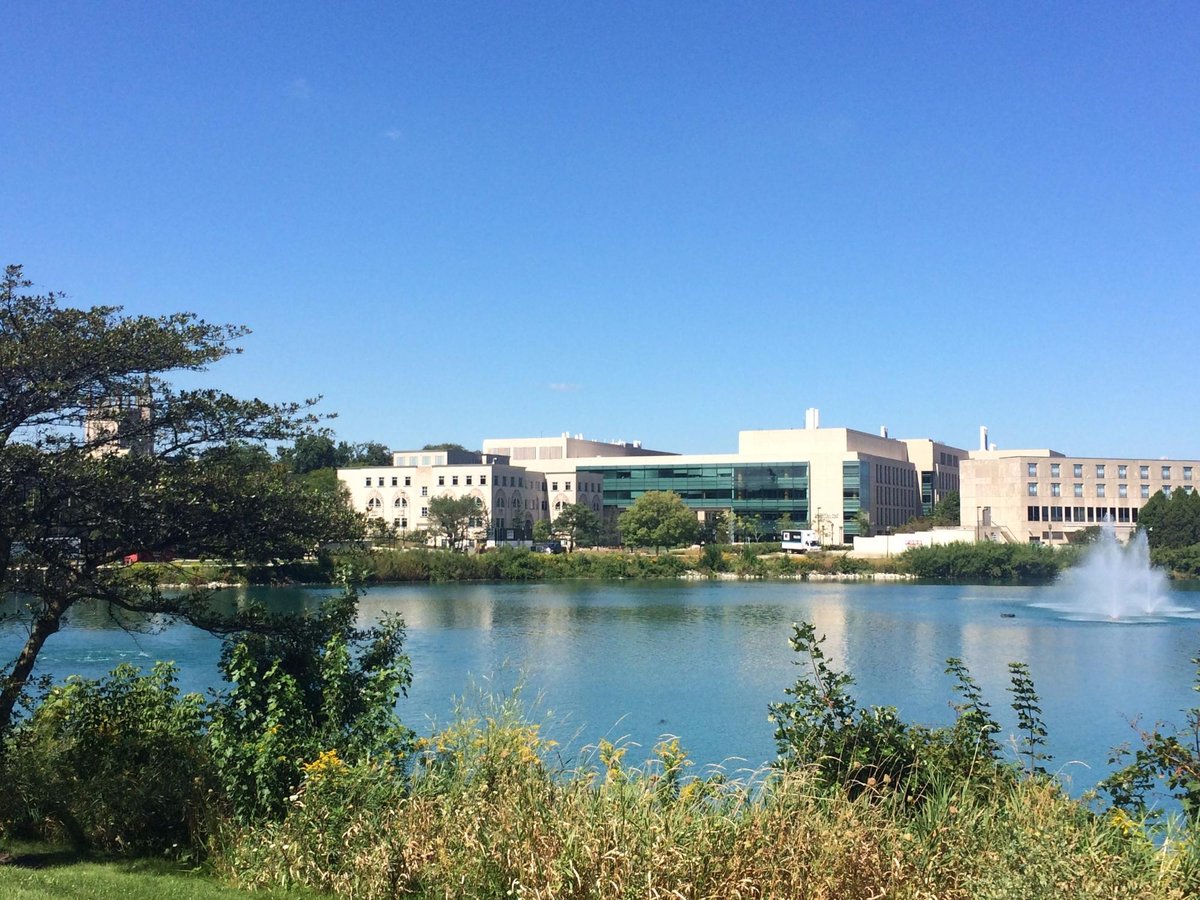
<point x="800" y="540"/>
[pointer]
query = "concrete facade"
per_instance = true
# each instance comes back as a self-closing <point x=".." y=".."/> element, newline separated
<point x="1043" y="496"/>
<point x="823" y="478"/>
<point x="399" y="495"/>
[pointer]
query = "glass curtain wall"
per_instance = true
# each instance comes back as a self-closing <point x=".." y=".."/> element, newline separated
<point x="770" y="490"/>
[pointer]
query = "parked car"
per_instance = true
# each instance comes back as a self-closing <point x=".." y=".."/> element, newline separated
<point x="549" y="547"/>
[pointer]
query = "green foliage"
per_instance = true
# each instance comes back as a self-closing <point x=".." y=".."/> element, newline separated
<point x="1167" y="760"/>
<point x="455" y="518"/>
<point x="658" y="519"/>
<point x="117" y="764"/>
<point x="974" y="728"/>
<point x="315" y="452"/>
<point x="158" y="468"/>
<point x="871" y="750"/>
<point x="985" y="561"/>
<point x="1171" y="523"/>
<point x="1027" y="706"/>
<point x="851" y="748"/>
<point x="576" y="525"/>
<point x="1181" y="562"/>
<point x="947" y="510"/>
<point x="541" y="530"/>
<point x="712" y="559"/>
<point x="322" y="685"/>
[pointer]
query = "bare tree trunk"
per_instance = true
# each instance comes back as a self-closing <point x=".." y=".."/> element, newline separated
<point x="45" y="624"/>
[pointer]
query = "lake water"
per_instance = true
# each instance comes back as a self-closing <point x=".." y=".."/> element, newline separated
<point x="701" y="660"/>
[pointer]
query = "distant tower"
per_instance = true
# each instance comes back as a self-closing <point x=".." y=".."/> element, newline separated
<point x="120" y="425"/>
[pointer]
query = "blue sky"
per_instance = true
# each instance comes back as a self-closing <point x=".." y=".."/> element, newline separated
<point x="654" y="221"/>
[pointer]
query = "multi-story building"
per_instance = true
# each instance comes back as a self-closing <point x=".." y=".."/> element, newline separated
<point x="510" y="497"/>
<point x="1043" y="496"/>
<point x="815" y="477"/>
<point x="557" y="458"/>
<point x="839" y="481"/>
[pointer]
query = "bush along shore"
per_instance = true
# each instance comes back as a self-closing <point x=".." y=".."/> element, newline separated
<point x="300" y="776"/>
<point x="959" y="562"/>
<point x="985" y="562"/>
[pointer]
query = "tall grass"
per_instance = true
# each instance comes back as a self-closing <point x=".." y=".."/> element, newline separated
<point x="489" y="813"/>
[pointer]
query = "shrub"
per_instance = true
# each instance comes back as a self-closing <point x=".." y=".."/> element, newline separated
<point x="985" y="562"/>
<point x="312" y="684"/>
<point x="118" y="764"/>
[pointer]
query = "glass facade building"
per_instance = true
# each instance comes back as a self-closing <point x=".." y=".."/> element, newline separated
<point x="769" y="490"/>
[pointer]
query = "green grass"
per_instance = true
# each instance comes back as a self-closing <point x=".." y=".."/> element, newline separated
<point x="33" y="872"/>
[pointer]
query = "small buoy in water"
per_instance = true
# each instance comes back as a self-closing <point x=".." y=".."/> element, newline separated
<point x="1008" y="615"/>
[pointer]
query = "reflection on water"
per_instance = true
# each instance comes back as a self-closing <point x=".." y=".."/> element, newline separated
<point x="702" y="661"/>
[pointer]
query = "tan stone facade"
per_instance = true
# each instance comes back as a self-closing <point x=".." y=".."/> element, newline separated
<point x="1042" y="496"/>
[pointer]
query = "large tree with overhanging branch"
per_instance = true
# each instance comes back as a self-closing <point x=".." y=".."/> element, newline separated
<point x="160" y="468"/>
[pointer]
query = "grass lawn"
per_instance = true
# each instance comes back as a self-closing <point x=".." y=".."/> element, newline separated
<point x="36" y="872"/>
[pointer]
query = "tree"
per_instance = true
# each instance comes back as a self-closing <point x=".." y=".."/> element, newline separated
<point x="371" y="453"/>
<point x="541" y="530"/>
<point x="454" y="517"/>
<point x="310" y="453"/>
<point x="576" y="524"/>
<point x="155" y="468"/>
<point x="946" y="510"/>
<point x="317" y="451"/>
<point x="658" y="519"/>
<point x="1171" y="522"/>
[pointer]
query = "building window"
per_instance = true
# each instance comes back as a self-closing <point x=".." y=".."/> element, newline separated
<point x="1033" y="513"/>
<point x="397" y="502"/>
<point x="408" y="481"/>
<point x="1078" y="470"/>
<point x="1122" y="490"/>
<point x="1055" y="489"/>
<point x="1145" y="491"/>
<point x="1122" y="471"/>
<point x="441" y="481"/>
<point x="368" y="482"/>
<point x="1078" y="489"/>
<point x="1099" y="470"/>
<point x="566" y="485"/>
<point x="554" y="485"/>
<point x="469" y="480"/>
<point x="1166" y="473"/>
<point x="1055" y="470"/>
<point x="1031" y="470"/>
<point x="1143" y="471"/>
<point x="424" y="492"/>
<point x="1187" y="473"/>
<point x="395" y="481"/>
<point x="424" y="512"/>
<point x="454" y="480"/>
<point x="1032" y="489"/>
<point x="1099" y="490"/>
<point x="483" y="479"/>
<point x="403" y="523"/>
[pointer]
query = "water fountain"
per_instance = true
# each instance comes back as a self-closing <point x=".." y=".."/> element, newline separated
<point x="1115" y="581"/>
